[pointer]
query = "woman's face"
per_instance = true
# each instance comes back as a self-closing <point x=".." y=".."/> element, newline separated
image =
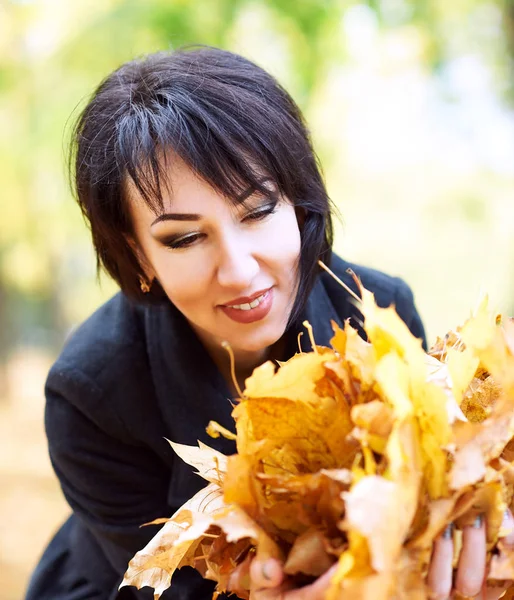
<point x="230" y="270"/>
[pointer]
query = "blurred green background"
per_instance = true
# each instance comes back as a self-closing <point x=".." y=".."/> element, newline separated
<point x="411" y="108"/>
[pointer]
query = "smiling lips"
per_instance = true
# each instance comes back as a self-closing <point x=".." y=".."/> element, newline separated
<point x="251" y="308"/>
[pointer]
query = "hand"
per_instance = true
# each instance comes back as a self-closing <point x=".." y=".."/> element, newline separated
<point x="267" y="582"/>
<point x="471" y="570"/>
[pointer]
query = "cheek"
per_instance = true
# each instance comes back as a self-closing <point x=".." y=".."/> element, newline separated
<point x="184" y="281"/>
<point x="284" y="240"/>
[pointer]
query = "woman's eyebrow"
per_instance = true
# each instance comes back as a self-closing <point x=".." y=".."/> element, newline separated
<point x="196" y="217"/>
<point x="177" y="217"/>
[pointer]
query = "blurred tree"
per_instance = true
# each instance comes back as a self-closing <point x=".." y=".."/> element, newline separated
<point x="52" y="55"/>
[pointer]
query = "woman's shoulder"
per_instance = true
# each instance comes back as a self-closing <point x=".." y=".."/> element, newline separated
<point x="103" y="373"/>
<point x="111" y="334"/>
<point x="103" y="355"/>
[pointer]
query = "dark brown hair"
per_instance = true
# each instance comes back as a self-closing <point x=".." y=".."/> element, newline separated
<point x="227" y="118"/>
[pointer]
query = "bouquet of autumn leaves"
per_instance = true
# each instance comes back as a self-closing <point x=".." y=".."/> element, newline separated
<point x="360" y="454"/>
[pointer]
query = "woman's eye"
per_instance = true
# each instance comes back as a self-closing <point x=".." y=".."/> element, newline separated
<point x="262" y="213"/>
<point x="184" y="242"/>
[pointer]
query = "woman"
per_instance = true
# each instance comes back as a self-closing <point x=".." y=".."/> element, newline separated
<point x="195" y="173"/>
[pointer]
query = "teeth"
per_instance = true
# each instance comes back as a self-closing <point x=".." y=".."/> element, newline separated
<point x="249" y="306"/>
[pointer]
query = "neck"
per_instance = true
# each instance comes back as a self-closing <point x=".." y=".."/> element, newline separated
<point x="245" y="362"/>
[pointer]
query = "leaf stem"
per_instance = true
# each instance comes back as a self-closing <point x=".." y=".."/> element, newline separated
<point x="227" y="347"/>
<point x="339" y="281"/>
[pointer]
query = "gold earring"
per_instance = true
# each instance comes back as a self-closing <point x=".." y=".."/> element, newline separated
<point x="143" y="284"/>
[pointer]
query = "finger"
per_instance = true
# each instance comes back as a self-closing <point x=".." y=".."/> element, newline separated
<point x="472" y="560"/>
<point x="266" y="574"/>
<point x="315" y="591"/>
<point x="495" y="589"/>
<point x="440" y="571"/>
<point x="276" y="593"/>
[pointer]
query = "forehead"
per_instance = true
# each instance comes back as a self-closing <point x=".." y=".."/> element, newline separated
<point x="182" y="191"/>
<point x="181" y="187"/>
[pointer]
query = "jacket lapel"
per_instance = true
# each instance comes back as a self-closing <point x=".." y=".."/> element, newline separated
<point x="191" y="391"/>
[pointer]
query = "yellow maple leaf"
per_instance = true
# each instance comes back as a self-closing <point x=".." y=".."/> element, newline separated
<point x="388" y="333"/>
<point x="317" y="423"/>
<point x="296" y="379"/>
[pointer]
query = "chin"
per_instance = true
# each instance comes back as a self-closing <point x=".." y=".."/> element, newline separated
<point x="258" y="341"/>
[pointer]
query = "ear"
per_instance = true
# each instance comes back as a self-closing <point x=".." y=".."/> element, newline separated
<point x="144" y="263"/>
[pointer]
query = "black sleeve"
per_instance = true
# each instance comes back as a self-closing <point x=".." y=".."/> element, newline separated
<point x="406" y="309"/>
<point x="113" y="487"/>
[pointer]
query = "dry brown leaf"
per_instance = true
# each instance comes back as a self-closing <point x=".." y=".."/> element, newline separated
<point x="375" y="416"/>
<point x="314" y="431"/>
<point x="362" y="454"/>
<point x="479" y="398"/>
<point x="210" y="464"/>
<point x="155" y="564"/>
<point x="468" y="467"/>
<point x="240" y="486"/>
<point x="371" y="508"/>
<point x="214" y="429"/>
<point x="308" y="555"/>
<point x="439" y="515"/>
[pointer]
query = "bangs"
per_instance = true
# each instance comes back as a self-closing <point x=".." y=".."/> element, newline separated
<point x="232" y="160"/>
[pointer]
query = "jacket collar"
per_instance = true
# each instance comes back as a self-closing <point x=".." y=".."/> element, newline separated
<point x="319" y="312"/>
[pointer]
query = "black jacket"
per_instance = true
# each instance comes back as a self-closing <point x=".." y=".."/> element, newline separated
<point x="129" y="377"/>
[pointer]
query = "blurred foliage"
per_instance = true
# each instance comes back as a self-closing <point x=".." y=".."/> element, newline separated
<point x="53" y="53"/>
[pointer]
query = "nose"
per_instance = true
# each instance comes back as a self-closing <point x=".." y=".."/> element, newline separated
<point x="237" y="265"/>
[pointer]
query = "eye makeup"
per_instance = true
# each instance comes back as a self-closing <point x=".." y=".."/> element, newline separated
<point x="176" y="241"/>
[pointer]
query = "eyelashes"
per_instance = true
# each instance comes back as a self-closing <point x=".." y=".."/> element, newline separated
<point x="262" y="213"/>
<point x="255" y="216"/>
<point x="183" y="242"/>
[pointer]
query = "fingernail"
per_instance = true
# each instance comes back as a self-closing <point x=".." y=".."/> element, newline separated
<point x="448" y="532"/>
<point x="266" y="570"/>
<point x="477" y="523"/>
